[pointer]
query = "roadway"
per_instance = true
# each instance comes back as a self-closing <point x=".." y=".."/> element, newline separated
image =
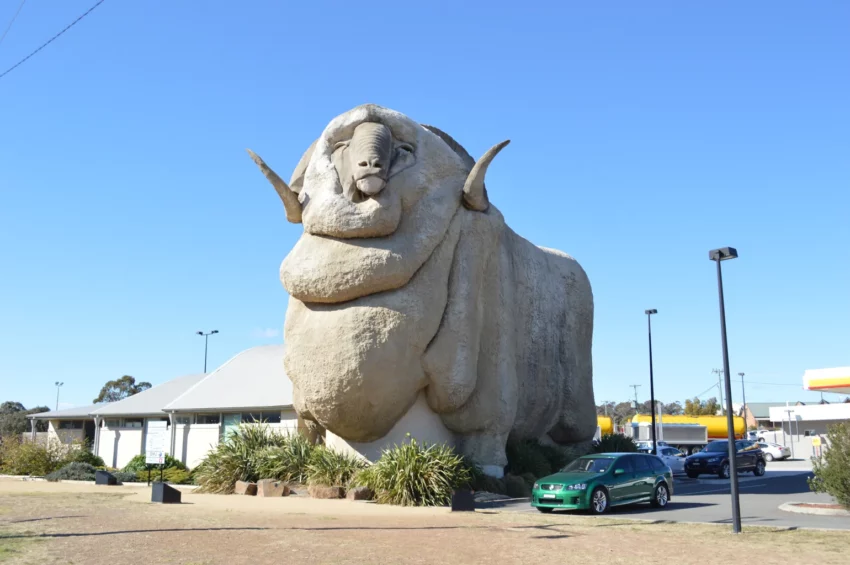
<point x="707" y="500"/>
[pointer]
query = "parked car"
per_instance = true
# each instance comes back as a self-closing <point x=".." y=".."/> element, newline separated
<point x="598" y="482"/>
<point x="673" y="458"/>
<point x="774" y="451"/>
<point x="755" y="435"/>
<point x="714" y="459"/>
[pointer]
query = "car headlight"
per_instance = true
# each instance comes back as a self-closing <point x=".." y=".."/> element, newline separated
<point x="714" y="460"/>
<point x="535" y="487"/>
<point x="580" y="486"/>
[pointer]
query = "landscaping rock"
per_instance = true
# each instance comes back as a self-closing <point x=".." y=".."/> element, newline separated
<point x="272" y="488"/>
<point x="242" y="487"/>
<point x="317" y="491"/>
<point x="360" y="493"/>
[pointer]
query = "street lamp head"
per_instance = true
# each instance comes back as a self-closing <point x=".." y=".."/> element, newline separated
<point x="648" y="312"/>
<point x="723" y="254"/>
<point x="200" y="333"/>
<point x="214" y="332"/>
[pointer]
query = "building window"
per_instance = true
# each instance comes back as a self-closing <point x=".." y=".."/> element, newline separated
<point x="272" y="417"/>
<point x="132" y="422"/>
<point x="183" y="420"/>
<point x="70" y="424"/>
<point x="266" y="417"/>
<point x="112" y="423"/>
<point x="207" y="419"/>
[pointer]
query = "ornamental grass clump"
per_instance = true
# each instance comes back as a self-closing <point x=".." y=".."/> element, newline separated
<point x="330" y="468"/>
<point x="414" y="474"/>
<point x="236" y="458"/>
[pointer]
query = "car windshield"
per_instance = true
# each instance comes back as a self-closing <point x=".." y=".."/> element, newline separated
<point x="717" y="447"/>
<point x="588" y="465"/>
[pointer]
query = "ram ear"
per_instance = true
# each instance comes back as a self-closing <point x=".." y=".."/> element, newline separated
<point x="287" y="195"/>
<point x="296" y="183"/>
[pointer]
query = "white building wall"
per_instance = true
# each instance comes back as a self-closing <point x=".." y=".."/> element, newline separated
<point x="106" y="446"/>
<point x="199" y="439"/>
<point x="63" y="436"/>
<point x="119" y="445"/>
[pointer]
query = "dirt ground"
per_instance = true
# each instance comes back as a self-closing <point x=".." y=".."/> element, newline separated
<point x="46" y="523"/>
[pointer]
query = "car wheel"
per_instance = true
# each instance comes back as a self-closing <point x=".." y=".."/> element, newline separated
<point x="768" y="457"/>
<point x="692" y="475"/>
<point x="660" y="497"/>
<point x="759" y="470"/>
<point x="544" y="510"/>
<point x="724" y="471"/>
<point x="599" y="501"/>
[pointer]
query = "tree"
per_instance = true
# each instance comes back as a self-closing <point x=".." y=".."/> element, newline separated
<point x="832" y="469"/>
<point x="623" y="412"/>
<point x="120" y="389"/>
<point x="606" y="409"/>
<point x="13" y="419"/>
<point x="673" y="409"/>
<point x="696" y="407"/>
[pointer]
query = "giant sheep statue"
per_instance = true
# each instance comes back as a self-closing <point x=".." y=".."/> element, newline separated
<point x="407" y="281"/>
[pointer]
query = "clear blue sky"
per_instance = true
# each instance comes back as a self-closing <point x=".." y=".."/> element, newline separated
<point x="643" y="135"/>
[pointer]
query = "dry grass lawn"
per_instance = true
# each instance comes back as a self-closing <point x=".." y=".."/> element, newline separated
<point x="45" y="523"/>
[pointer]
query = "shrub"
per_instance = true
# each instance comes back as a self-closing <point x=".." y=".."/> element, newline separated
<point x="832" y="469"/>
<point x="236" y="458"/>
<point x="169" y="475"/>
<point x="84" y="455"/>
<point x="527" y="456"/>
<point x="516" y="487"/>
<point x="486" y="483"/>
<point x="286" y="462"/>
<point x="123" y="477"/>
<point x="615" y="443"/>
<point x="529" y="479"/>
<point x="75" y="471"/>
<point x="332" y="469"/>
<point x="414" y="474"/>
<point x="137" y="464"/>
<point x="18" y="457"/>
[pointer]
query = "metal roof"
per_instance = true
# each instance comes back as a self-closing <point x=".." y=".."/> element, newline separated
<point x="761" y="410"/>
<point x="76" y="413"/>
<point x="151" y="401"/>
<point x="252" y="379"/>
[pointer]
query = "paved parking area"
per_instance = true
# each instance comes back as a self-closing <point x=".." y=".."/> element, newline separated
<point x="707" y="500"/>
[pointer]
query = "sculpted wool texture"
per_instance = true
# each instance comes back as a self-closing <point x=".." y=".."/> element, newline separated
<point x="406" y="280"/>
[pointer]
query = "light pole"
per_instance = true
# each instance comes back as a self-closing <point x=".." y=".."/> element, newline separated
<point x="58" y="384"/>
<point x="206" y="340"/>
<point x="718" y="256"/>
<point x="649" y="314"/>
<point x="744" y="401"/>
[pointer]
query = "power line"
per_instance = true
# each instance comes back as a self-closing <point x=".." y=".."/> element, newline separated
<point x="49" y="41"/>
<point x="15" y="17"/>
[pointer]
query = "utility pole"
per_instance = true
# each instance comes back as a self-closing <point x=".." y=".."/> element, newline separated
<point x="719" y="373"/>
<point x="790" y="433"/>
<point x="744" y="406"/>
<point x="58" y="385"/>
<point x="636" y="400"/>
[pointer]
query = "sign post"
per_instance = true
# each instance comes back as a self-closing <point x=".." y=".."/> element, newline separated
<point x="155" y="447"/>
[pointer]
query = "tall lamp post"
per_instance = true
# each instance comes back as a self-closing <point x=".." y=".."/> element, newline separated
<point x="649" y="314"/>
<point x="744" y="401"/>
<point x="718" y="256"/>
<point x="58" y="385"/>
<point x="206" y="340"/>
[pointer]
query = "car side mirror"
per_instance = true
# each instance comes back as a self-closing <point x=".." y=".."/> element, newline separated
<point x="618" y="472"/>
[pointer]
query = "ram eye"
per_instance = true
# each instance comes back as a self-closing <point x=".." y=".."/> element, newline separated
<point x="340" y="144"/>
<point x="406" y="147"/>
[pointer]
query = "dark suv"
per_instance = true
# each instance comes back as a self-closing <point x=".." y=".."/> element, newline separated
<point x="714" y="459"/>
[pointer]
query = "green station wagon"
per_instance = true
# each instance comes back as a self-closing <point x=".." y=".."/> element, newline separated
<point x="598" y="482"/>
